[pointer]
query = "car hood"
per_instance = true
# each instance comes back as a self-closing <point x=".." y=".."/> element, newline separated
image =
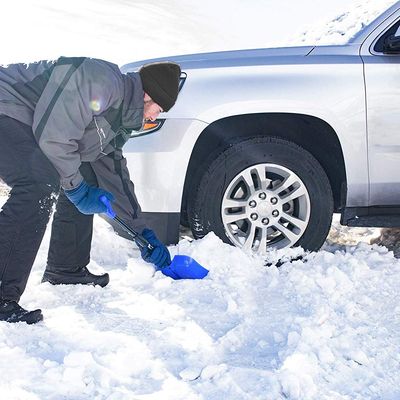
<point x="230" y="58"/>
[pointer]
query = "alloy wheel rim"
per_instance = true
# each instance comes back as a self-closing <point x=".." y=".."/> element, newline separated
<point x="265" y="205"/>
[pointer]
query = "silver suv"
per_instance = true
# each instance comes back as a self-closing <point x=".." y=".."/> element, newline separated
<point x="264" y="145"/>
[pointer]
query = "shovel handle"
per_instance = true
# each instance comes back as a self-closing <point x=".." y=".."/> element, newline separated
<point x="110" y="212"/>
<point x="138" y="238"/>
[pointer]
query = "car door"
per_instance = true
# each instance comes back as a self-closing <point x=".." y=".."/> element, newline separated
<point x="382" y="83"/>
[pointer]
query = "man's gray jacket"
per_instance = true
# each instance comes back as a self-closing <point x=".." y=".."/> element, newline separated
<point x="80" y="109"/>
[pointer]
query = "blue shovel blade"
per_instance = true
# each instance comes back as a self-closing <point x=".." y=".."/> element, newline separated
<point x="184" y="267"/>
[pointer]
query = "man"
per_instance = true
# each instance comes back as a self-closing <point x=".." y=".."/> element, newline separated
<point x="64" y="123"/>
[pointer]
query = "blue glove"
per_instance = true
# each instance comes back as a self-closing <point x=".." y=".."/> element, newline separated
<point x="159" y="256"/>
<point x="87" y="198"/>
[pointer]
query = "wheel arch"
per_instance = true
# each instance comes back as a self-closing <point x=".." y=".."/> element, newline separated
<point x="309" y="132"/>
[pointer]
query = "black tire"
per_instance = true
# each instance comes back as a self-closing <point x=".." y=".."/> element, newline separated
<point x="204" y="201"/>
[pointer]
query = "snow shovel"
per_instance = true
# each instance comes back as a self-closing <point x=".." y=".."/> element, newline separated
<point x="181" y="267"/>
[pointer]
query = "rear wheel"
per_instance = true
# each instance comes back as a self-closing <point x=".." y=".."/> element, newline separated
<point x="263" y="192"/>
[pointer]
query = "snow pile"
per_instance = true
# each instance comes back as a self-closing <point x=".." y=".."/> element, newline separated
<point x="345" y="25"/>
<point x="339" y="342"/>
<point x="322" y="328"/>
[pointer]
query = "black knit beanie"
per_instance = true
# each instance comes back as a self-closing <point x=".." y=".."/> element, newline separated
<point x="161" y="82"/>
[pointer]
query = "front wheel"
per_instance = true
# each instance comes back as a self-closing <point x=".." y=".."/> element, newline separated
<point x="263" y="192"/>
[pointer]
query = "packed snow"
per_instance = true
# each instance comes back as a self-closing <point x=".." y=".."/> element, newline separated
<point x="324" y="327"/>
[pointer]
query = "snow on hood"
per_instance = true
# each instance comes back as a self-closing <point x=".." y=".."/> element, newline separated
<point x="348" y="24"/>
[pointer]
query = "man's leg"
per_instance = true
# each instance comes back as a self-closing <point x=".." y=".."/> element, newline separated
<point x="70" y="242"/>
<point x="24" y="216"/>
<point x="71" y="237"/>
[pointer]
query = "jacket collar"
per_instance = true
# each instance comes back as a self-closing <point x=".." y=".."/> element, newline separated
<point x="133" y="103"/>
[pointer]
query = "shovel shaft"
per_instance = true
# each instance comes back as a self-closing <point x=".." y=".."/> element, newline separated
<point x="137" y="237"/>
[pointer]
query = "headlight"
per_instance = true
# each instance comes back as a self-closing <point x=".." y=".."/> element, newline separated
<point x="148" y="127"/>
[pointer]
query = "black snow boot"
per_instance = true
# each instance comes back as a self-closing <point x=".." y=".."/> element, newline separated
<point x="81" y="276"/>
<point x="11" y="311"/>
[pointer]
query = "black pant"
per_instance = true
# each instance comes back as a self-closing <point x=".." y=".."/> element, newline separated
<point x="71" y="232"/>
<point x="35" y="186"/>
<point x="24" y="217"/>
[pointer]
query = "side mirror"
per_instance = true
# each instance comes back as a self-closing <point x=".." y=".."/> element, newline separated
<point x="392" y="45"/>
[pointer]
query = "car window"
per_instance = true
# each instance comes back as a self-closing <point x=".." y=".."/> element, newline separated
<point x="393" y="30"/>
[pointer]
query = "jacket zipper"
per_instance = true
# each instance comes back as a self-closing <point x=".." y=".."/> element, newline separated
<point x="101" y="134"/>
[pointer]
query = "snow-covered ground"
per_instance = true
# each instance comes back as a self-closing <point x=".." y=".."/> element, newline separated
<point x="327" y="327"/>
<point x="324" y="328"/>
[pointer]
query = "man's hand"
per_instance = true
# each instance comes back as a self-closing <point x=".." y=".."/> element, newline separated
<point x="159" y="256"/>
<point x="87" y="198"/>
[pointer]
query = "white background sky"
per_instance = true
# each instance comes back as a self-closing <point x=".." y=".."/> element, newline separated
<point x="127" y="30"/>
